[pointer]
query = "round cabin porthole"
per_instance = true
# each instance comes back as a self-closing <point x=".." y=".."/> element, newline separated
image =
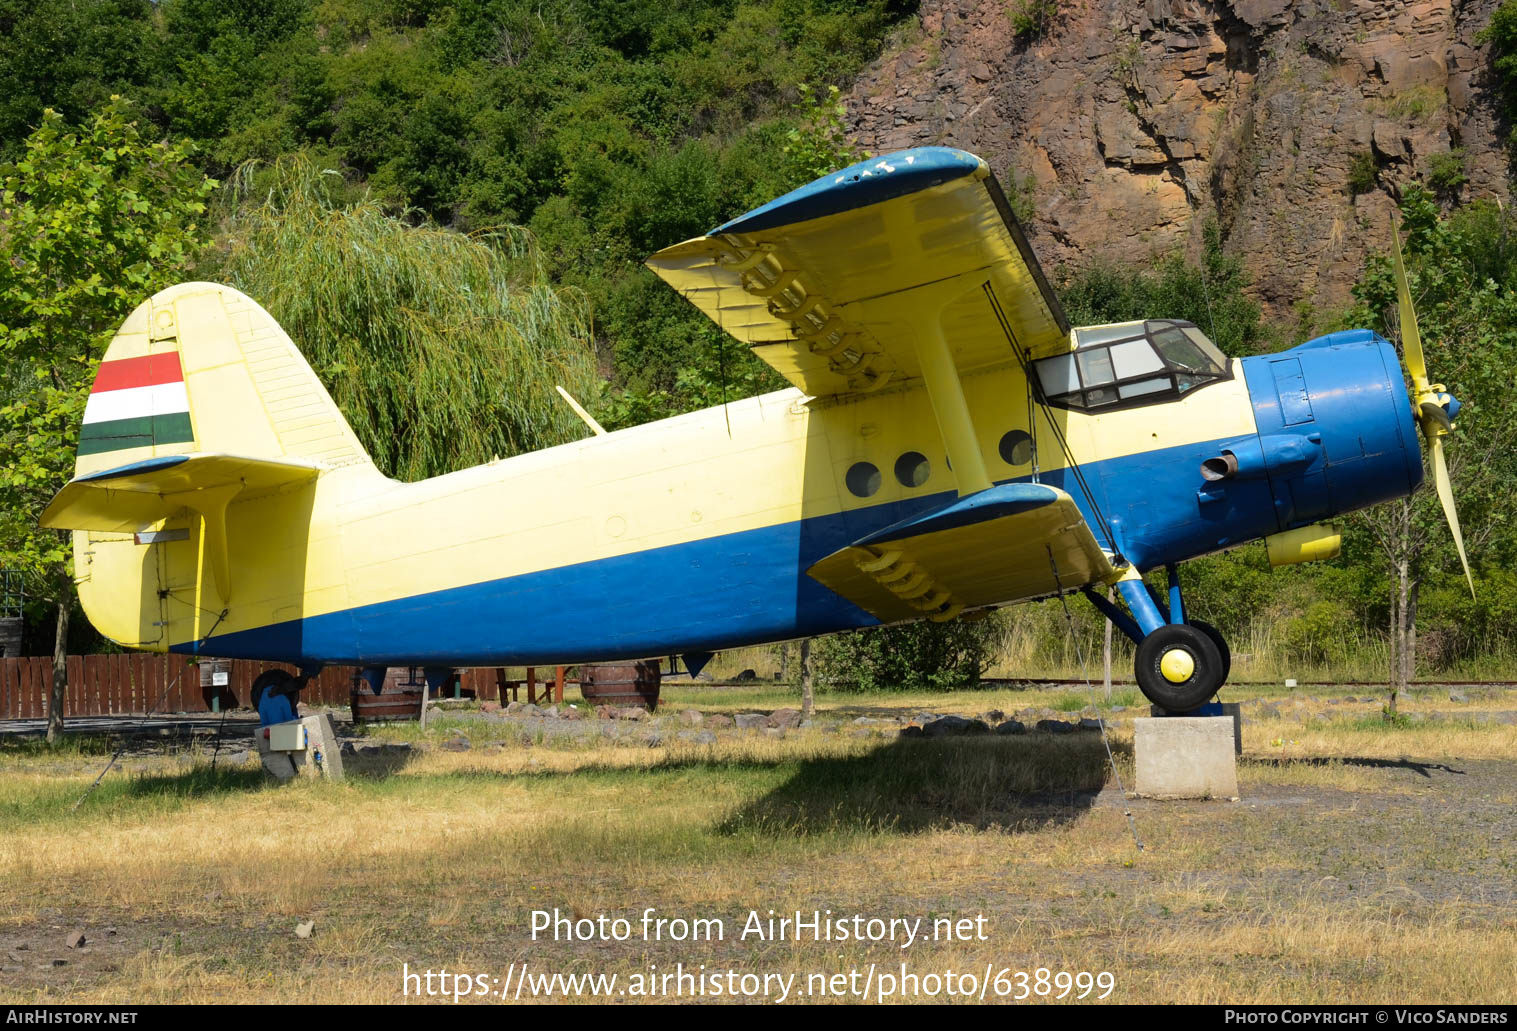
<point x="912" y="469"/>
<point x="1016" y="448"/>
<point x="863" y="479"/>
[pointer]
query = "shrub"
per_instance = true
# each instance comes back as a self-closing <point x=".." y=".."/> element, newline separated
<point x="1019" y="195"/>
<point x="913" y="656"/>
<point x="1032" y="18"/>
<point x="1361" y="174"/>
<point x="1445" y="172"/>
<point x="1322" y="633"/>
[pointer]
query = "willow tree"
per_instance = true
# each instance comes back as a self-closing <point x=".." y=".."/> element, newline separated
<point x="441" y="349"/>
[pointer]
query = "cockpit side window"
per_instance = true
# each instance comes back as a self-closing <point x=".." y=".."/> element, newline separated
<point x="1186" y="349"/>
<point x="1130" y="364"/>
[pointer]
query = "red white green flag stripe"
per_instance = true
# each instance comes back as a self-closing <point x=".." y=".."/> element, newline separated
<point x="136" y="402"/>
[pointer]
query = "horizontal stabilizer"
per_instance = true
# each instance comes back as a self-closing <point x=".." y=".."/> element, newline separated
<point x="134" y="497"/>
<point x="998" y="545"/>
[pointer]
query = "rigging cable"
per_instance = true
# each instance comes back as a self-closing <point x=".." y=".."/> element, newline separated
<point x="1090" y="690"/>
<point x="1035" y="388"/>
<point x="143" y="722"/>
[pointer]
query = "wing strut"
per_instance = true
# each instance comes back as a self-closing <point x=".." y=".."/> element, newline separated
<point x="922" y="309"/>
<point x="1035" y="392"/>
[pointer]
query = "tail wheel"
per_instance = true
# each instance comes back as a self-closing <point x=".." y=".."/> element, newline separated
<point x="276" y="696"/>
<point x="1221" y="643"/>
<point x="1178" y="667"/>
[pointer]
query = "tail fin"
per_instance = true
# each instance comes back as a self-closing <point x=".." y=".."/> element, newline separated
<point x="202" y="441"/>
<point x="202" y="368"/>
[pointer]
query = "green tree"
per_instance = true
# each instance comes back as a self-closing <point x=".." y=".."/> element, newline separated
<point x="1501" y="33"/>
<point x="609" y="128"/>
<point x="442" y="349"/>
<point x="1460" y="274"/>
<point x="70" y="57"/>
<point x="820" y="143"/>
<point x="93" y="220"/>
<point x="1210" y="294"/>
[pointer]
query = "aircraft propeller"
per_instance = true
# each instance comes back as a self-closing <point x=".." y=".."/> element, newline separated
<point x="1435" y="408"/>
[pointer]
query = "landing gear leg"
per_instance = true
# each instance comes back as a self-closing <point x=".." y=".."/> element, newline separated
<point x="1179" y="664"/>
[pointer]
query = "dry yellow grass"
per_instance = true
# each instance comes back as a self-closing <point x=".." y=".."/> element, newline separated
<point x="1346" y="874"/>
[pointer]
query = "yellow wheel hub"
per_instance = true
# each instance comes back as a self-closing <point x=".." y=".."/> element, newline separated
<point x="1177" y="665"/>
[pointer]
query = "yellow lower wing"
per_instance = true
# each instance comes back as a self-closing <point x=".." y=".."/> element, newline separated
<point x="1003" y="544"/>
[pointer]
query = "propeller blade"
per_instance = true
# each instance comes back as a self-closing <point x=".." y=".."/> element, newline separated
<point x="1434" y="421"/>
<point x="1446" y="498"/>
<point x="1434" y="413"/>
<point x="1411" y="340"/>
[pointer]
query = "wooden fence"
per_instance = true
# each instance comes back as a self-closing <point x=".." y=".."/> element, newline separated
<point x="141" y="683"/>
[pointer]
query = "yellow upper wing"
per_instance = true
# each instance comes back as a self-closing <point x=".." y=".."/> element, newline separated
<point x="814" y="280"/>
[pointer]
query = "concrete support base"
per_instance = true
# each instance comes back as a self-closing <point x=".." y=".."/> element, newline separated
<point x="1185" y="757"/>
<point x="321" y="757"/>
<point x="1228" y="710"/>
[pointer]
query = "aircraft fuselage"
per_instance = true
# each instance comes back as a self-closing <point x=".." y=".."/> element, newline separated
<point x="694" y="533"/>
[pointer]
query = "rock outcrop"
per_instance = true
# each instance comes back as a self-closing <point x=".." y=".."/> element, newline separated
<point x="1128" y="124"/>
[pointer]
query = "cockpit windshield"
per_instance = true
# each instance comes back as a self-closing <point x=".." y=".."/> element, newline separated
<point x="1131" y="363"/>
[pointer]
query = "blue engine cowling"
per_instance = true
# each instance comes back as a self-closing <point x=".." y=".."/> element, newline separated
<point x="1335" y="428"/>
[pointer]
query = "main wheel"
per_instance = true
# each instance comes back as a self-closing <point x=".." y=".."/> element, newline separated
<point x="1221" y="643"/>
<point x="276" y="696"/>
<point x="1178" y="667"/>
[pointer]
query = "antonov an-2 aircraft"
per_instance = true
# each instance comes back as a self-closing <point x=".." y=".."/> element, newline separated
<point x="949" y="444"/>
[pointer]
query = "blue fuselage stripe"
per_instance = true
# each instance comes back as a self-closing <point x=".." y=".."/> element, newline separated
<point x="751" y="587"/>
<point x="719" y="592"/>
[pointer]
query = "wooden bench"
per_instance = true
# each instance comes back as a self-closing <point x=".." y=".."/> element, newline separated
<point x="552" y="691"/>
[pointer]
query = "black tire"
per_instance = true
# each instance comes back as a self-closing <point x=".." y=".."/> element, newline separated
<point x="278" y="681"/>
<point x="1206" y="667"/>
<point x="1222" y="648"/>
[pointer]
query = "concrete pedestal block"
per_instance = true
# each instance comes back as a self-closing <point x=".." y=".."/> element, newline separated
<point x="1226" y="710"/>
<point x="1185" y="757"/>
<point x="322" y="755"/>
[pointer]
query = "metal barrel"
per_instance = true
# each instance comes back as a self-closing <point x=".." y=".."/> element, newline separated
<point x="634" y="683"/>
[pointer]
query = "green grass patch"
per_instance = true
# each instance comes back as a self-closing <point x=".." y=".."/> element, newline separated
<point x="70" y="746"/>
<point x="25" y="802"/>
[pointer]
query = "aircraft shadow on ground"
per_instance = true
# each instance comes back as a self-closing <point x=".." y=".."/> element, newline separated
<point x="906" y="786"/>
<point x="911" y="786"/>
<point x="195" y="782"/>
<point x="1422" y="769"/>
<point x="377" y="764"/>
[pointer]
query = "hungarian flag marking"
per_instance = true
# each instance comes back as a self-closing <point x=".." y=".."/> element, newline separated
<point x="136" y="402"/>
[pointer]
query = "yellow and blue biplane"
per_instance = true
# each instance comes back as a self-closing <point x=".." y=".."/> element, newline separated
<point x="949" y="444"/>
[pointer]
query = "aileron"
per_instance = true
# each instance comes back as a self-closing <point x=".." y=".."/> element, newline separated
<point x="815" y="281"/>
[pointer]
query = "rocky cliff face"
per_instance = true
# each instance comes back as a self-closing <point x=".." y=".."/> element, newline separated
<point x="1293" y="122"/>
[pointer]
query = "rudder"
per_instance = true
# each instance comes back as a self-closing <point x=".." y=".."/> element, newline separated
<point x="201" y="367"/>
<point x="196" y="476"/>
